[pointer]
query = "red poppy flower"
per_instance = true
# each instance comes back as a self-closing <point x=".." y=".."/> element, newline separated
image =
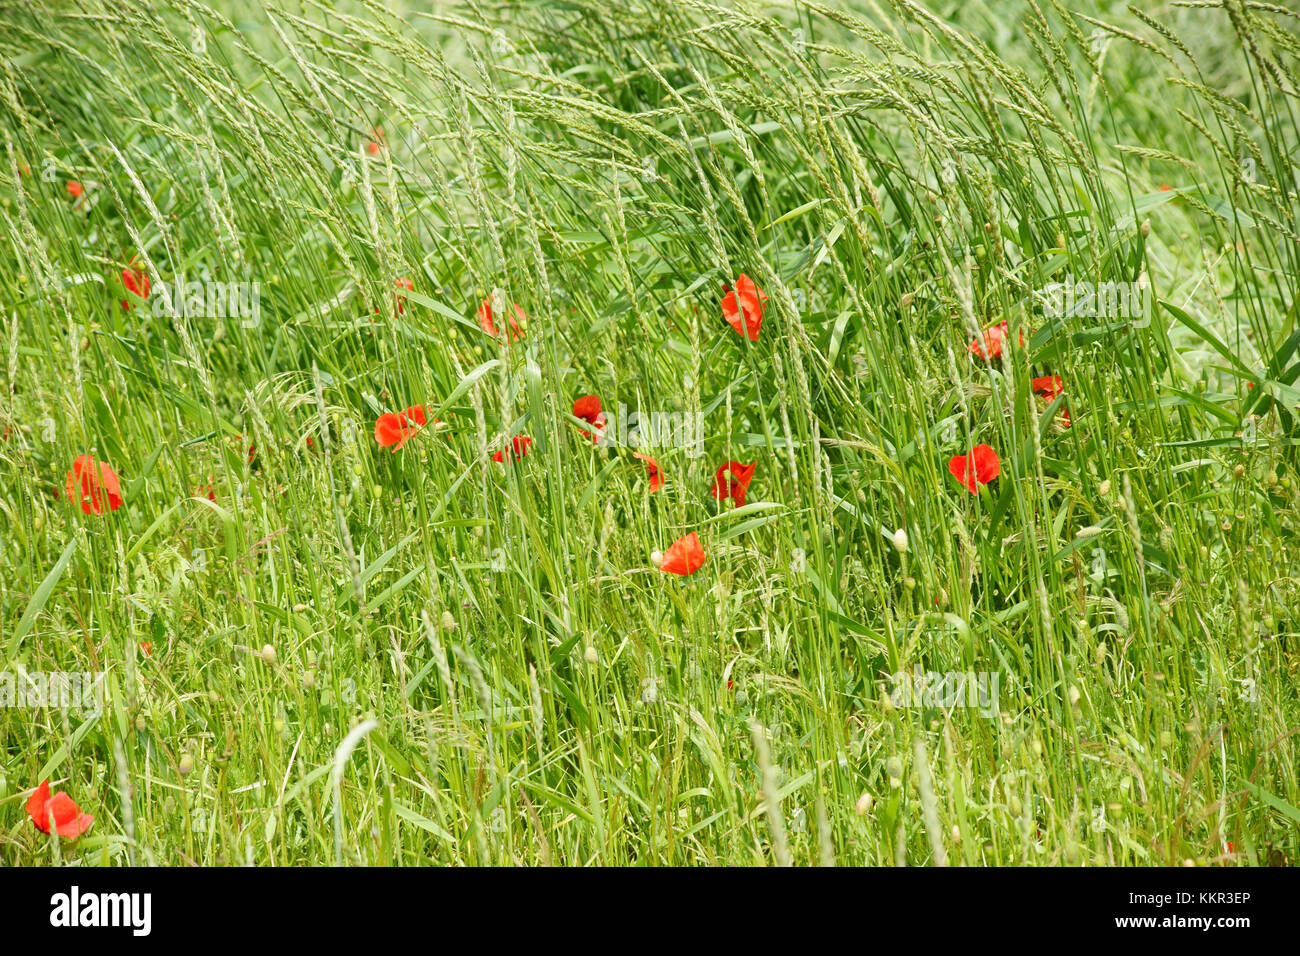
<point x="732" y="481"/>
<point x="978" y="468"/>
<point x="94" y="484"/>
<point x="1048" y="386"/>
<point x="517" y="449"/>
<point x="487" y="325"/>
<point x="401" y="283"/>
<point x="744" y="304"/>
<point x="75" y="189"/>
<point x="1165" y="188"/>
<point x="147" y="648"/>
<point x="588" y="409"/>
<point x="396" y="429"/>
<point x="652" y="468"/>
<point x="69" y="821"/>
<point x="685" y="556"/>
<point x="136" y="282"/>
<point x="989" y="346"/>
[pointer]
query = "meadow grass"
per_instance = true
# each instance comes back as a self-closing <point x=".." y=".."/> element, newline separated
<point x="365" y="656"/>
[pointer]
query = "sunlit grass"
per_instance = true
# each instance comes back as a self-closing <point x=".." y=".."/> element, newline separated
<point x="361" y="655"/>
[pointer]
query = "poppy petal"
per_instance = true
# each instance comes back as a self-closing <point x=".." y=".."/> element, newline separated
<point x="486" y="323"/>
<point x="94" y="485"/>
<point x="1048" y="386"/>
<point x="732" y="481"/>
<point x="652" y="469"/>
<point x="518" y="448"/>
<point x="685" y="556"/>
<point x="742" y="307"/>
<point x="69" y="821"/>
<point x="36" y="807"/>
<point x="978" y="468"/>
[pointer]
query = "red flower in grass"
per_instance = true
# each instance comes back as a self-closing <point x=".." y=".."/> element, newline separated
<point x="993" y="341"/>
<point x="75" y="189"/>
<point x="1048" y="386"/>
<point x="69" y="821"/>
<point x="252" y="451"/>
<point x="744" y="304"/>
<point x="147" y="648"/>
<point x="732" y="481"/>
<point x="374" y="145"/>
<point x="487" y="325"/>
<point x="94" y="485"/>
<point x="397" y="428"/>
<point x="978" y="468"/>
<point x="685" y="556"/>
<point x="401" y="283"/>
<point x="588" y="409"/>
<point x="517" y="449"/>
<point x="136" y="282"/>
<point x="652" y="468"/>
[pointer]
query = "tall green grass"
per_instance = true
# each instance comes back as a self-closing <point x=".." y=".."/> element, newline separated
<point x="475" y="663"/>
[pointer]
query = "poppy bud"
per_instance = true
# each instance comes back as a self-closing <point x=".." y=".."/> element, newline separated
<point x="268" y="654"/>
<point x="186" y="766"/>
<point x="1146" y="227"/>
<point x="656" y="558"/>
<point x="863" y="806"/>
<point x="900" y="540"/>
<point x="894" y="767"/>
